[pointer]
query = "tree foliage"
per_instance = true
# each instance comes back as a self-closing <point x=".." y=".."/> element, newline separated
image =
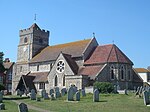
<point x="2" y="87"/>
<point x="104" y="87"/>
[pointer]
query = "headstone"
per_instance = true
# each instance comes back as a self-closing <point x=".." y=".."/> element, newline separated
<point x="63" y="91"/>
<point x="33" y="95"/>
<point x="140" y="91"/>
<point x="52" y="96"/>
<point x="74" y="89"/>
<point x="134" y="89"/>
<point x="46" y="96"/>
<point x="22" y="107"/>
<point x="96" y="95"/>
<point x="137" y="91"/>
<point x="38" y="99"/>
<point x="18" y="92"/>
<point x="77" y="96"/>
<point x="146" y="98"/>
<point x="115" y="89"/>
<point x="51" y="91"/>
<point x="2" y="106"/>
<point x="83" y="92"/>
<point x="70" y="94"/>
<point x="43" y="92"/>
<point x="57" y="94"/>
<point x="1" y="97"/>
<point x="118" y="87"/>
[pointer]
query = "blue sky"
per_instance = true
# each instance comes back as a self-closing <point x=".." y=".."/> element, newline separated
<point x="126" y="22"/>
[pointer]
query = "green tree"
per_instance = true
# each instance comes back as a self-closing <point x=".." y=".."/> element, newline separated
<point x="104" y="87"/>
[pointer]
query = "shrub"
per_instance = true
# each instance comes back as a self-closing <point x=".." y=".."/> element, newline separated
<point x="2" y="87"/>
<point x="104" y="87"/>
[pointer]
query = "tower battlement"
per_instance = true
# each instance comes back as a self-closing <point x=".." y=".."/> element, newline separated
<point x="30" y="30"/>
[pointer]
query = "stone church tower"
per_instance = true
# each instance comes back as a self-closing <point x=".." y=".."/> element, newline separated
<point x="32" y="41"/>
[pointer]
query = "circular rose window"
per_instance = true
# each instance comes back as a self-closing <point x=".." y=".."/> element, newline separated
<point x="60" y="66"/>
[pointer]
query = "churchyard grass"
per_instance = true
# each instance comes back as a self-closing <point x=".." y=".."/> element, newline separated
<point x="107" y="103"/>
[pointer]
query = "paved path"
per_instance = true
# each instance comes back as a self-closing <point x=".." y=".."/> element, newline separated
<point x="31" y="106"/>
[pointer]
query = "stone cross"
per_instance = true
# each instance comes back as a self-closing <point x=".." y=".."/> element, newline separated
<point x="70" y="94"/>
<point x="96" y="95"/>
<point x="77" y="96"/>
<point x="22" y="107"/>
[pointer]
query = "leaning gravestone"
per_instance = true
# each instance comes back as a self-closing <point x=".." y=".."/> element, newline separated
<point x="57" y="94"/>
<point x="96" y="95"/>
<point x="77" y="96"/>
<point x="33" y="94"/>
<point x="43" y="92"/>
<point x="70" y="94"/>
<point x="83" y="92"/>
<point x="74" y="89"/>
<point x="2" y="106"/>
<point x="137" y="91"/>
<point x="146" y="98"/>
<point x="56" y="89"/>
<point x="22" y="107"/>
<point x="1" y="97"/>
<point x="51" y="91"/>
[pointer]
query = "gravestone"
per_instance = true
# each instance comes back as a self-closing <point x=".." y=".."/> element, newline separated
<point x="38" y="99"/>
<point x="63" y="91"/>
<point x="56" y="89"/>
<point x="43" y="92"/>
<point x="51" y="91"/>
<point x="134" y="90"/>
<point x="115" y="89"/>
<point x="77" y="96"/>
<point x="22" y="107"/>
<point x="74" y="89"/>
<point x="46" y="96"/>
<point x="57" y="94"/>
<point x="33" y="95"/>
<point x="137" y="91"/>
<point x="70" y="94"/>
<point x="52" y="96"/>
<point x="1" y="97"/>
<point x="18" y="92"/>
<point x="146" y="98"/>
<point x="96" y="95"/>
<point x="2" y="106"/>
<point x="83" y="92"/>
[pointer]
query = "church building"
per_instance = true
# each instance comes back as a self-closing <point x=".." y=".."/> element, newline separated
<point x="80" y="63"/>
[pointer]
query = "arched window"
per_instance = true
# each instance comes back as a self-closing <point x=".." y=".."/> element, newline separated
<point x="129" y="75"/>
<point x="25" y="40"/>
<point x="20" y="68"/>
<point x="37" y="67"/>
<point x="64" y="81"/>
<point x="122" y="72"/>
<point x="112" y="73"/>
<point x="56" y="80"/>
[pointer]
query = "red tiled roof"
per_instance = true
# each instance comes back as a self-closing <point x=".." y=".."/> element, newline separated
<point x="91" y="71"/>
<point x="40" y="76"/>
<point x="76" y="49"/>
<point x="141" y="70"/>
<point x="108" y="53"/>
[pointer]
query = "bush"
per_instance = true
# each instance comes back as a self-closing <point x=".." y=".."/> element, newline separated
<point x="104" y="87"/>
<point x="2" y="87"/>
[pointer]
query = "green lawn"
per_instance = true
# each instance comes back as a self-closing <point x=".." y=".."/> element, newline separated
<point x="108" y="103"/>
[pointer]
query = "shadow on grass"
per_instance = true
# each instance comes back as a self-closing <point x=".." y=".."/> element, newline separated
<point x="18" y="98"/>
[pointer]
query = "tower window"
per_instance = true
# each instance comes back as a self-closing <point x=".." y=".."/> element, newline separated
<point x="37" y="67"/>
<point x="64" y="81"/>
<point x="20" y="68"/>
<point x="122" y="73"/>
<point x="112" y="75"/>
<point x="25" y="40"/>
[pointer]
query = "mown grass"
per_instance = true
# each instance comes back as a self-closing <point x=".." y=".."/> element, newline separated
<point x="108" y="103"/>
